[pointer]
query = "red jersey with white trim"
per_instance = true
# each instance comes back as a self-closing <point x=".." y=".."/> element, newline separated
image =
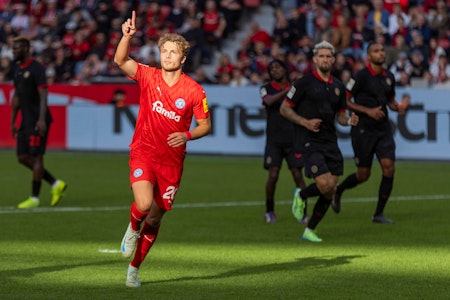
<point x="164" y="110"/>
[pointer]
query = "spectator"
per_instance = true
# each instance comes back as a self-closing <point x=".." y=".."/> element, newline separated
<point x="341" y="33"/>
<point x="440" y="72"/>
<point x="420" y="26"/>
<point x="378" y="15"/>
<point x="297" y="23"/>
<point x="258" y="34"/>
<point x="225" y="66"/>
<point x="341" y="65"/>
<point x="395" y="49"/>
<point x="396" y="17"/>
<point x="20" y="21"/>
<point x="400" y="67"/>
<point x="282" y="33"/>
<point x="201" y="77"/>
<point x="232" y="11"/>
<point x="176" y="16"/>
<point x="438" y="18"/>
<point x="419" y="65"/>
<point x="238" y="79"/>
<point x="214" y="25"/>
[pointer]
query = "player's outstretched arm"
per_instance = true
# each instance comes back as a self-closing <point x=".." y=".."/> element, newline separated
<point x="121" y="57"/>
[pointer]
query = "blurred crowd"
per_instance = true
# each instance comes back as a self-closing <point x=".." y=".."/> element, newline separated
<point x="76" y="39"/>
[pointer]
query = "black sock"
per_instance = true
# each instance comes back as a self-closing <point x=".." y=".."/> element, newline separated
<point x="350" y="182"/>
<point x="36" y="189"/>
<point x="310" y="191"/>
<point x="48" y="177"/>
<point x="383" y="194"/>
<point x="270" y="205"/>
<point x="319" y="211"/>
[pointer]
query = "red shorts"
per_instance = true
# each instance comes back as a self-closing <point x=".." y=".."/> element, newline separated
<point x="165" y="179"/>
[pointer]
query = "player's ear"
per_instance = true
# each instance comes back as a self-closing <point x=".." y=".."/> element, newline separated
<point x="183" y="60"/>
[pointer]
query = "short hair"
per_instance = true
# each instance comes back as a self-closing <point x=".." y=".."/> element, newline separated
<point x="182" y="43"/>
<point x="279" y="62"/>
<point x="324" y="45"/>
<point x="370" y="44"/>
<point x="22" y="40"/>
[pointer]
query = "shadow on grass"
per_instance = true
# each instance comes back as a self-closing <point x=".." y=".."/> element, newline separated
<point x="31" y="272"/>
<point x="296" y="265"/>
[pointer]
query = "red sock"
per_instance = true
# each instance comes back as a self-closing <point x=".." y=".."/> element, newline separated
<point x="145" y="242"/>
<point x="136" y="217"/>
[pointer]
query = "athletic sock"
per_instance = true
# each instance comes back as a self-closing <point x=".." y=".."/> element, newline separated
<point x="319" y="211"/>
<point x="136" y="217"/>
<point x="350" y="182"/>
<point x="48" y="177"/>
<point x="310" y="191"/>
<point x="36" y="189"/>
<point x="145" y="242"/>
<point x="270" y="205"/>
<point x="383" y="194"/>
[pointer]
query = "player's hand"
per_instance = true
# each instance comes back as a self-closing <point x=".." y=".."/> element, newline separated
<point x="313" y="124"/>
<point x="376" y="113"/>
<point x="14" y="131"/>
<point x="177" y="139"/>
<point x="354" y="119"/>
<point x="41" y="127"/>
<point x="404" y="104"/>
<point x="129" y="26"/>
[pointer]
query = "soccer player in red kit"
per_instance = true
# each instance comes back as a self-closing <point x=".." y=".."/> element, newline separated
<point x="169" y="99"/>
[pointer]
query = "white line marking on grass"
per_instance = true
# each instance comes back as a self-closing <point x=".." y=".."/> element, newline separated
<point x="108" y="251"/>
<point x="15" y="210"/>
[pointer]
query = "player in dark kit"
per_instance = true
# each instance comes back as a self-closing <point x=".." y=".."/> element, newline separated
<point x="313" y="104"/>
<point x="373" y="90"/>
<point x="279" y="137"/>
<point x="30" y="98"/>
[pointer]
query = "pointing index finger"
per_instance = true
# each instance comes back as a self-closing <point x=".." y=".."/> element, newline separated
<point x="133" y="19"/>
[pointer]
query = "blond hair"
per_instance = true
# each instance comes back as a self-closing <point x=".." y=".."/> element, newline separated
<point x="180" y="41"/>
<point x="323" y="45"/>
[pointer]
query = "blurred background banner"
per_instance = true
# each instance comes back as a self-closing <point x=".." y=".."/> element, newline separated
<point x="88" y="118"/>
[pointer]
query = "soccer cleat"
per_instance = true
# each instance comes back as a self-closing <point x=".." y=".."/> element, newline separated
<point x="129" y="242"/>
<point x="304" y="220"/>
<point x="382" y="220"/>
<point x="298" y="205"/>
<point x="133" y="279"/>
<point x="336" y="202"/>
<point x="310" y="235"/>
<point x="57" y="192"/>
<point x="270" y="217"/>
<point x="29" y="203"/>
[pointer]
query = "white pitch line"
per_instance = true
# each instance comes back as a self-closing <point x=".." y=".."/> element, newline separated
<point x="14" y="210"/>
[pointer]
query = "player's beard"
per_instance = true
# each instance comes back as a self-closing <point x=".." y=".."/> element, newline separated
<point x="325" y="68"/>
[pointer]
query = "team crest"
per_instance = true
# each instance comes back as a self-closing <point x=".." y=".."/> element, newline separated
<point x="180" y="103"/>
<point x="138" y="173"/>
<point x="388" y="81"/>
<point x="314" y="169"/>
<point x="26" y="74"/>
<point x="337" y="91"/>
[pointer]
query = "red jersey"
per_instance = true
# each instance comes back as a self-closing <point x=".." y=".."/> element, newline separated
<point x="164" y="110"/>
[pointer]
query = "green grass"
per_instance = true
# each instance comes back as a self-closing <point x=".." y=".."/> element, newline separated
<point x="214" y="244"/>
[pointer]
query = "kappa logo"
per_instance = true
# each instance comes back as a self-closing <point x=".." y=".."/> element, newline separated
<point x="159" y="108"/>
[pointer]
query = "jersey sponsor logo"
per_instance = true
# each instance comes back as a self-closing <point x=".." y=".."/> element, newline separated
<point x="205" y="105"/>
<point x="291" y="92"/>
<point x="180" y="103"/>
<point x="138" y="173"/>
<point x="159" y="108"/>
<point x="350" y="84"/>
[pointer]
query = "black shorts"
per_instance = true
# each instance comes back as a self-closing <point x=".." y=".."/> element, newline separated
<point x="321" y="159"/>
<point x="30" y="142"/>
<point x="275" y="153"/>
<point x="366" y="144"/>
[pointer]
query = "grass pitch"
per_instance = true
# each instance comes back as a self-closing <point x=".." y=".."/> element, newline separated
<point x="215" y="244"/>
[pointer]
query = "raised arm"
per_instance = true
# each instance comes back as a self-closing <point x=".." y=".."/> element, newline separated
<point x="121" y="57"/>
